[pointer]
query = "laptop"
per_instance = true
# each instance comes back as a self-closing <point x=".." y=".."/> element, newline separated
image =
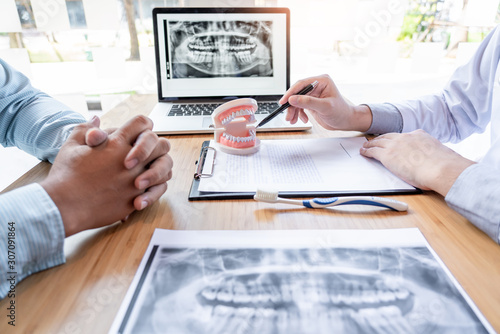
<point x="208" y="56"/>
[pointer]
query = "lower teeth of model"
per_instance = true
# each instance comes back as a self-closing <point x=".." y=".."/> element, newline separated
<point x="239" y="139"/>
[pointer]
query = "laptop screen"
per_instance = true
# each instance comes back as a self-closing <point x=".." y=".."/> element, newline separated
<point x="221" y="52"/>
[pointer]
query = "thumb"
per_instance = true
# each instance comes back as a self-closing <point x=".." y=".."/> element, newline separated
<point x="79" y="132"/>
<point x="88" y="133"/>
<point x="95" y="137"/>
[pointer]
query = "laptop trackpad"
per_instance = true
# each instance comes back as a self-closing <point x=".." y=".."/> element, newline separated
<point x="207" y="121"/>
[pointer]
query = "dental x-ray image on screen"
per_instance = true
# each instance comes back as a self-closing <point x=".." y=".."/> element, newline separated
<point x="216" y="49"/>
<point x="308" y="290"/>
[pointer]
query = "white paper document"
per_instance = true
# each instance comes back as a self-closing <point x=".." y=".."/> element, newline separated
<point x="305" y="165"/>
<point x="295" y="281"/>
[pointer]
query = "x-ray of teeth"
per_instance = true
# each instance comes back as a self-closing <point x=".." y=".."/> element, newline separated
<point x="337" y="290"/>
<point x="201" y="49"/>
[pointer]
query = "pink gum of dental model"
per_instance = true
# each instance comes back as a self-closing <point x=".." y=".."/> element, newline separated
<point x="234" y="132"/>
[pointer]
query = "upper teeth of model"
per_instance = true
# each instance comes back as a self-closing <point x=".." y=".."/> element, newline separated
<point x="239" y="113"/>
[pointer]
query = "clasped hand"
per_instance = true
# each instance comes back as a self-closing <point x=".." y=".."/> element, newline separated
<point x="100" y="177"/>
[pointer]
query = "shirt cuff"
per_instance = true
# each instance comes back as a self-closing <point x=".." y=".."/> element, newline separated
<point x="37" y="231"/>
<point x="480" y="208"/>
<point x="386" y="118"/>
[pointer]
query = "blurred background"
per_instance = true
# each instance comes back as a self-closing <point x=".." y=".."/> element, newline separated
<point x="93" y="54"/>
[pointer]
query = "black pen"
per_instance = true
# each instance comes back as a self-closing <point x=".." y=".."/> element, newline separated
<point x="275" y="113"/>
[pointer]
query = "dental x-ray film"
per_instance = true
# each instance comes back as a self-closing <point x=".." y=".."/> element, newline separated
<point x="384" y="281"/>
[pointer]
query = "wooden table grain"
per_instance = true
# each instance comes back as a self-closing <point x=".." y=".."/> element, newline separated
<point x="83" y="295"/>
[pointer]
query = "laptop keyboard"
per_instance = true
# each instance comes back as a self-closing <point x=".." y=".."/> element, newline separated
<point x="207" y="109"/>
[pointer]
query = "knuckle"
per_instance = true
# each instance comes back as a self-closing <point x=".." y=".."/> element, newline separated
<point x="147" y="135"/>
<point x="164" y="145"/>
<point x="80" y="129"/>
<point x="156" y="192"/>
<point x="163" y="188"/>
<point x="121" y="136"/>
<point x="147" y="138"/>
<point x="152" y="135"/>
<point x="326" y="76"/>
<point x="156" y="174"/>
<point x="298" y="82"/>
<point x="81" y="126"/>
<point x="141" y="152"/>
<point x="302" y="81"/>
<point x="143" y="120"/>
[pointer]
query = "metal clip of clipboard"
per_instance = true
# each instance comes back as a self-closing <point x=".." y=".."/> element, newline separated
<point x="201" y="163"/>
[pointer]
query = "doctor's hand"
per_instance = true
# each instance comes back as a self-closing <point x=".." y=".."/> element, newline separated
<point x="418" y="158"/>
<point x="146" y="146"/>
<point x="325" y="103"/>
<point x="92" y="187"/>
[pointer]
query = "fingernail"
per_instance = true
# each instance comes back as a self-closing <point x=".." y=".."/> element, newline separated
<point x="143" y="184"/>
<point x="94" y="120"/>
<point x="131" y="163"/>
<point x="143" y="205"/>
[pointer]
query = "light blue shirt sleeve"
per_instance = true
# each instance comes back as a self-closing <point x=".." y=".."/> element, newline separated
<point x="464" y="107"/>
<point x="39" y="125"/>
<point x="32" y="235"/>
<point x="479" y="207"/>
<point x="30" y="119"/>
<point x="385" y="118"/>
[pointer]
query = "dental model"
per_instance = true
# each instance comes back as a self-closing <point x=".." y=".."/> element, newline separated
<point x="234" y="132"/>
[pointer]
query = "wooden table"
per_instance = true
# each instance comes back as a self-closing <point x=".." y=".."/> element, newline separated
<point x="83" y="295"/>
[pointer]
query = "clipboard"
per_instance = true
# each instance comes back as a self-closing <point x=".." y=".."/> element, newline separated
<point x="196" y="195"/>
